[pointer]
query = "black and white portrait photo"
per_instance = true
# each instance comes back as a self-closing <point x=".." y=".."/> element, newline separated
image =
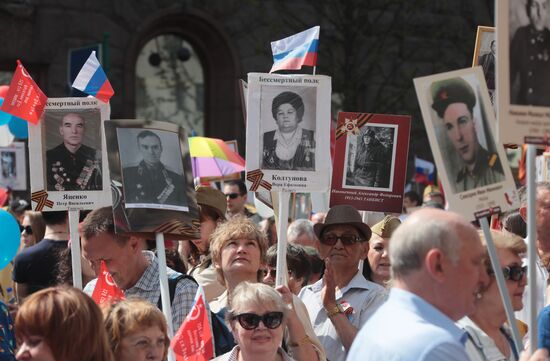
<point x="13" y="165"/>
<point x="288" y="128"/>
<point x="9" y="165"/>
<point x="485" y="55"/>
<point x="529" y="52"/>
<point x="152" y="169"/>
<point x="464" y="137"/>
<point x="369" y="158"/>
<point x="73" y="150"/>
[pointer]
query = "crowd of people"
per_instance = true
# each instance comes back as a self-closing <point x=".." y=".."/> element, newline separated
<point x="412" y="286"/>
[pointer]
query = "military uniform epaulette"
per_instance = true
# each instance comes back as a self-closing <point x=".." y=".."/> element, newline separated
<point x="487" y="161"/>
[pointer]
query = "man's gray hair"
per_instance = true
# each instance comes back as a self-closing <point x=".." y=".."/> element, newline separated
<point x="300" y="227"/>
<point x="522" y="192"/>
<point x="411" y="242"/>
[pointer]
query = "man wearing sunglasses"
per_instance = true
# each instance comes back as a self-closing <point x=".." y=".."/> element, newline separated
<point x="438" y="270"/>
<point x="342" y="301"/>
<point x="236" y="195"/>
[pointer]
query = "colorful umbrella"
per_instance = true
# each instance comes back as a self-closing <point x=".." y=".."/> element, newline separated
<point x="212" y="157"/>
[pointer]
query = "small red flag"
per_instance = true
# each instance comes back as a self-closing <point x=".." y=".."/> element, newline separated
<point x="24" y="98"/>
<point x="106" y="291"/>
<point x="193" y="341"/>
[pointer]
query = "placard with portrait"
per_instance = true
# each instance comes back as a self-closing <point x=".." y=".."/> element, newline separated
<point x="460" y="122"/>
<point x="370" y="161"/>
<point x="151" y="178"/>
<point x="523" y="52"/>
<point x="288" y="132"/>
<point x="13" y="166"/>
<point x="67" y="156"/>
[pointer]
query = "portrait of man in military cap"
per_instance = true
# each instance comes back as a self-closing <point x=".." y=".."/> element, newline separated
<point x="73" y="160"/>
<point x="454" y="100"/>
<point x="152" y="169"/>
<point x="530" y="53"/>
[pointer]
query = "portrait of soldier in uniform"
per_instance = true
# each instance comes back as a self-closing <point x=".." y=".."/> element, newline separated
<point x="151" y="181"/>
<point x="530" y="58"/>
<point x="369" y="160"/>
<point x="488" y="62"/>
<point x="453" y="101"/>
<point x="72" y="165"/>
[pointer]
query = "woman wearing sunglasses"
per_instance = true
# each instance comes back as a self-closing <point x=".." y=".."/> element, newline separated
<point x="257" y="318"/>
<point x="488" y="337"/>
<point x="239" y="251"/>
<point x="32" y="229"/>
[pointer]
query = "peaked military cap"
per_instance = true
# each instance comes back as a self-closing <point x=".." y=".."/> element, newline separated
<point x="449" y="91"/>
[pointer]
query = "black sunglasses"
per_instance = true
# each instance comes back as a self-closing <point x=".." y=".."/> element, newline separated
<point x="514" y="273"/>
<point x="347" y="239"/>
<point x="232" y="195"/>
<point x="249" y="321"/>
<point x="27" y="229"/>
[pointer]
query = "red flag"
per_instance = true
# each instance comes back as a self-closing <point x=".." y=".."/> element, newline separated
<point x="24" y="99"/>
<point x="105" y="290"/>
<point x="193" y="341"/>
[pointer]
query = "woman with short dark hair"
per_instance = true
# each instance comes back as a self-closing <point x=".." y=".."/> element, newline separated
<point x="289" y="147"/>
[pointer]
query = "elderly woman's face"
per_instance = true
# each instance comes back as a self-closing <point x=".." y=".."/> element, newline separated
<point x="260" y="340"/>
<point x="287" y="118"/>
<point x="145" y="344"/>
<point x="507" y="258"/>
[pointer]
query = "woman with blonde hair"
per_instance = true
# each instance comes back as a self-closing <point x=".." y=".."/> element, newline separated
<point x="61" y="324"/>
<point x="257" y="318"/>
<point x="239" y="250"/>
<point x="488" y="336"/>
<point x="137" y="331"/>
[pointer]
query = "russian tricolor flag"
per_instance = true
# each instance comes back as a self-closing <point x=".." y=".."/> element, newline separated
<point x="425" y="171"/>
<point x="92" y="80"/>
<point x="296" y="51"/>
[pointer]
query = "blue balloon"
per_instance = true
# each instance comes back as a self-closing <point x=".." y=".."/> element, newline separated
<point x="19" y="127"/>
<point x="11" y="237"/>
<point x="4" y="117"/>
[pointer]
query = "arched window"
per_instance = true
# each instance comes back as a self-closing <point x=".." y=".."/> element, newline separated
<point x="169" y="83"/>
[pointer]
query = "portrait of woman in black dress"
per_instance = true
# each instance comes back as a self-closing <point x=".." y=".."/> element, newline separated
<point x="289" y="147"/>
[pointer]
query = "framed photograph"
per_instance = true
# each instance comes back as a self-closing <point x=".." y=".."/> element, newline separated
<point x="68" y="156"/>
<point x="151" y="178"/>
<point x="287" y="131"/>
<point x="459" y="121"/>
<point x="370" y="161"/>
<point x="523" y="50"/>
<point x="485" y="56"/>
<point x="13" y="166"/>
